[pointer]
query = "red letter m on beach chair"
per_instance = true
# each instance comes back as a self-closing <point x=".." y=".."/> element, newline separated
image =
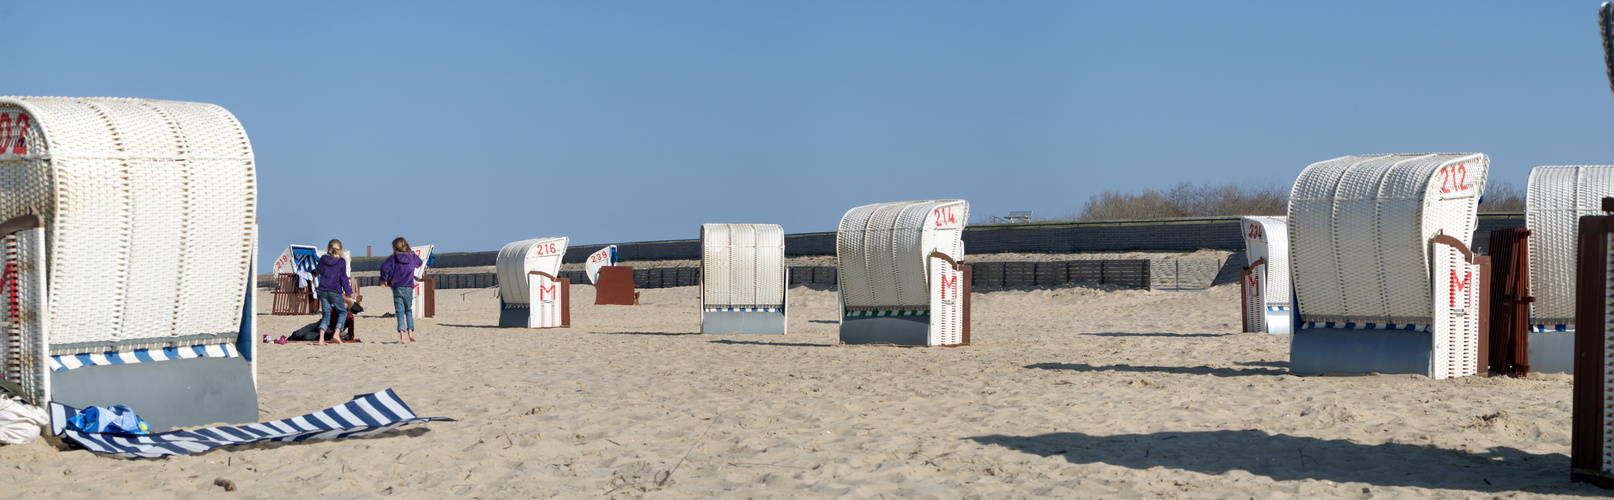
<point x="1459" y="285"/>
<point x="949" y="284"/>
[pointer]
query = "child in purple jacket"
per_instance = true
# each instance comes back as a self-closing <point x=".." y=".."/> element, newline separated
<point x="398" y="272"/>
<point x="333" y="290"/>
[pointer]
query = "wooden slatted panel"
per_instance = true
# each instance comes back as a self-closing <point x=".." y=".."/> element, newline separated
<point x="1586" y="438"/>
<point x="291" y="301"/>
<point x="1019" y="274"/>
<point x="1509" y="341"/>
<point x="988" y="275"/>
<point x="1052" y="273"/>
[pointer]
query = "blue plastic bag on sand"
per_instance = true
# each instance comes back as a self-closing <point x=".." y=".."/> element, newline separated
<point x="118" y="419"/>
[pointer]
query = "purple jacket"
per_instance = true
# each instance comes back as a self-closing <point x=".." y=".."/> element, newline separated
<point x="332" y="272"/>
<point x="398" y="271"/>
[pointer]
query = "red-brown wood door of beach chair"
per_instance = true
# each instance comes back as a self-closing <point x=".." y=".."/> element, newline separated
<point x="1509" y="341"/>
<point x="431" y="297"/>
<point x="615" y="287"/>
<point x="1592" y="282"/>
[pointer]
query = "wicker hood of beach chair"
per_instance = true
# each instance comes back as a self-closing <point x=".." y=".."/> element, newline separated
<point x="147" y="212"/>
<point x="531" y="293"/>
<point x="1558" y="196"/>
<point x="600" y="259"/>
<point x="1383" y="275"/>
<point x="901" y="276"/>
<point x="744" y="282"/>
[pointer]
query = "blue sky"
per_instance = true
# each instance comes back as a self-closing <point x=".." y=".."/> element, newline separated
<point x="470" y="125"/>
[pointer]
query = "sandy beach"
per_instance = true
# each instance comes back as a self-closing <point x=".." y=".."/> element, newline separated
<point x="1071" y="392"/>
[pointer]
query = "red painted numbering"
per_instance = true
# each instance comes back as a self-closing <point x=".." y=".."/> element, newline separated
<point x="1255" y="231"/>
<point x="1453" y="179"/>
<point x="13" y="134"/>
<point x="944" y="215"/>
<point x="545" y="248"/>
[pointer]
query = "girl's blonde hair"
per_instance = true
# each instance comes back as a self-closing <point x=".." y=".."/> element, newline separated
<point x="334" y="248"/>
<point x="400" y="245"/>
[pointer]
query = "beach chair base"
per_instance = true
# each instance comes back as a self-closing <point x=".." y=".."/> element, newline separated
<point x="894" y="330"/>
<point x="1318" y="351"/>
<point x="514" y="317"/>
<point x="167" y="394"/>
<point x="1280" y="321"/>
<point x="1552" y="352"/>
<point x="748" y="322"/>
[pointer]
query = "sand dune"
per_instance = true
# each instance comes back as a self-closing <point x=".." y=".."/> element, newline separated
<point x="1071" y="392"/>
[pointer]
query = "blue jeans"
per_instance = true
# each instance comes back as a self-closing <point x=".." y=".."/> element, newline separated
<point x="403" y="305"/>
<point x="327" y="301"/>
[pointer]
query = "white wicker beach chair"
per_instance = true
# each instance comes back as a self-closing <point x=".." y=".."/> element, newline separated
<point x="531" y="294"/>
<point x="744" y="282"/>
<point x="605" y="257"/>
<point x="425" y="254"/>
<point x="1382" y="272"/>
<point x="295" y="281"/>
<point x="900" y="273"/>
<point x="1558" y="196"/>
<point x="299" y="261"/>
<point x="1268" y="295"/>
<point x="129" y="251"/>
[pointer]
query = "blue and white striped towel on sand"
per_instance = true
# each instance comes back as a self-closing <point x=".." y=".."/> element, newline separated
<point x="366" y="415"/>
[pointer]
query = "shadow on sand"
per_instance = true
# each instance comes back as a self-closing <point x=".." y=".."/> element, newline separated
<point x="1191" y="370"/>
<point x="758" y="342"/>
<point x="1123" y="334"/>
<point x="1288" y="458"/>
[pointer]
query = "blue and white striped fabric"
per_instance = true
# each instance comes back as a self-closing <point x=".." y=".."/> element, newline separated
<point x="1365" y="326"/>
<point x="1549" y="328"/>
<point x="743" y="309"/>
<point x="1277" y="308"/>
<point x="888" y="313"/>
<point x="67" y="362"/>
<point x="366" y="415"/>
<point x="304" y="260"/>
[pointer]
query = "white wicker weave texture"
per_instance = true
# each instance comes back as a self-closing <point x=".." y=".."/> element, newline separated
<point x="1359" y="228"/>
<point x="1558" y="197"/>
<point x="743" y="265"/>
<point x="517" y="259"/>
<point x="148" y="207"/>
<point x="1272" y="245"/>
<point x="25" y="357"/>
<point x="882" y="251"/>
